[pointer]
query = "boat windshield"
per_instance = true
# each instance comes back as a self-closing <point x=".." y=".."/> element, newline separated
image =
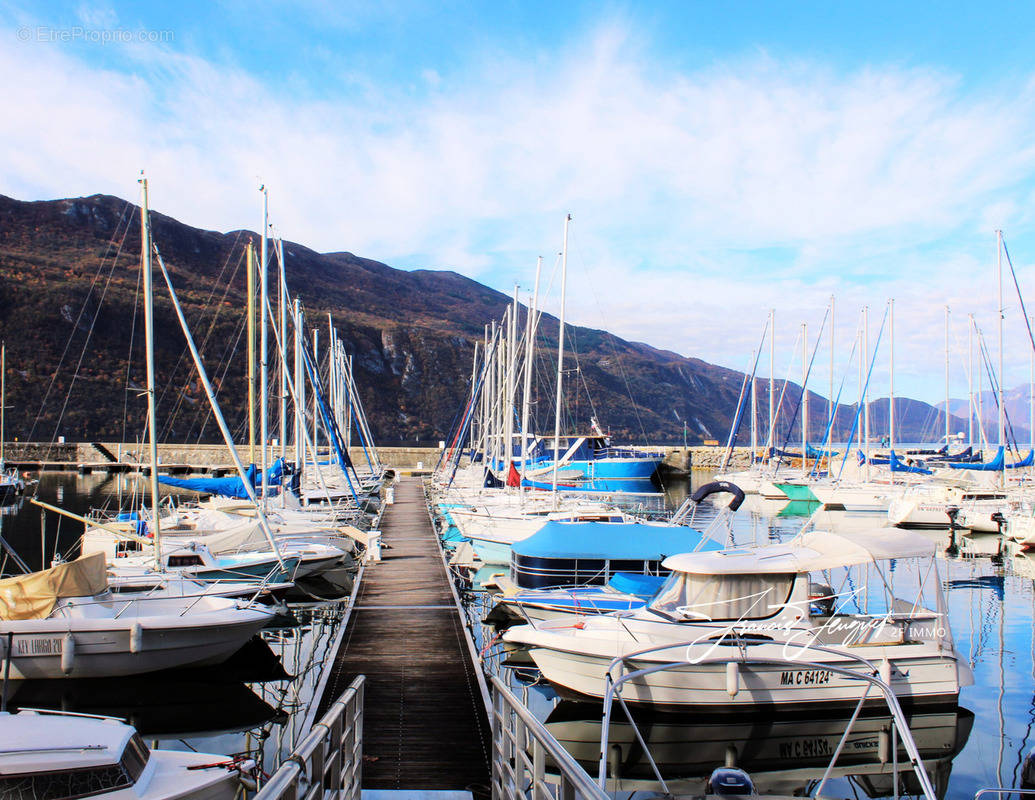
<point x="685" y="597"/>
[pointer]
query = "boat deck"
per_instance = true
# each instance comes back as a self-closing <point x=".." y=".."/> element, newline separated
<point x="424" y="724"/>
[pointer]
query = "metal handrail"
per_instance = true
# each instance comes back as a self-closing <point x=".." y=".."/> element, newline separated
<point x="521" y="745"/>
<point x="328" y="763"/>
<point x="612" y="692"/>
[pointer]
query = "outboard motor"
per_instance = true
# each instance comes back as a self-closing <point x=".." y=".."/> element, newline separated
<point x="729" y="781"/>
<point x="953" y="548"/>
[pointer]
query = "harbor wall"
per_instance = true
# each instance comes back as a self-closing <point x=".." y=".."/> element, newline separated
<point x="208" y="455"/>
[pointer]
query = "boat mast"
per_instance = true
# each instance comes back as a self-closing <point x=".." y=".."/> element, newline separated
<point x="149" y="345"/>
<point x="316" y="414"/>
<point x="299" y="386"/>
<point x="508" y="407"/>
<point x="865" y="394"/>
<point x="263" y="345"/>
<point x="947" y="432"/>
<point x="830" y="403"/>
<point x="1031" y="398"/>
<point x="804" y="395"/>
<point x="970" y="380"/>
<point x="560" y="359"/>
<point x="282" y="302"/>
<point x="251" y="351"/>
<point x="772" y="375"/>
<point x="526" y="399"/>
<point x="754" y="410"/>
<point x="1002" y="415"/>
<point x="891" y="392"/>
<point x="862" y="377"/>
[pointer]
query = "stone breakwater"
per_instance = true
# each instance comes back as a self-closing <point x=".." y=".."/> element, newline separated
<point x="210" y="455"/>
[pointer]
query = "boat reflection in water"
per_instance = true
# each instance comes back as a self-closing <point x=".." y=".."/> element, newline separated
<point x="784" y="755"/>
<point x="166" y="709"/>
<point x="170" y="704"/>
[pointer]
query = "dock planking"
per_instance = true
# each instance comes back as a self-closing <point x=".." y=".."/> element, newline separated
<point x="424" y="724"/>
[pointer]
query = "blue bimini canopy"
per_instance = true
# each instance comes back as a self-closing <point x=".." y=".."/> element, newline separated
<point x="230" y="486"/>
<point x="615" y="541"/>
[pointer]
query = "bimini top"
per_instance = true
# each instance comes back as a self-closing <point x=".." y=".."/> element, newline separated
<point x="807" y="552"/>
<point x="631" y="541"/>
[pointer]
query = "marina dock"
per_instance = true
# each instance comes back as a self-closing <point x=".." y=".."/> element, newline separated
<point x="425" y="724"/>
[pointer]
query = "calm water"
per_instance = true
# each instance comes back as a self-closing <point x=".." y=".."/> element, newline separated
<point x="982" y="743"/>
<point x="258" y="702"/>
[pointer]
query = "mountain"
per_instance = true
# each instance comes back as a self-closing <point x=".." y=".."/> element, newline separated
<point x="1017" y="402"/>
<point x="71" y="318"/>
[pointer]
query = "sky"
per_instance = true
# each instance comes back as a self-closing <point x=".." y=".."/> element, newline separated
<point x="720" y="159"/>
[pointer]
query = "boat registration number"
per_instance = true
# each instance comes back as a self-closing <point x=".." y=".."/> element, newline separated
<point x="805" y="677"/>
<point x="805" y="748"/>
<point x="37" y="645"/>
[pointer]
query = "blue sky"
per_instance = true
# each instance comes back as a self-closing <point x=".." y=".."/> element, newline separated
<point x="720" y="158"/>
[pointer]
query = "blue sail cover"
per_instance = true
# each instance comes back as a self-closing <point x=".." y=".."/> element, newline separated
<point x="230" y="486"/>
<point x="899" y="466"/>
<point x="812" y="452"/>
<point x="995" y="465"/>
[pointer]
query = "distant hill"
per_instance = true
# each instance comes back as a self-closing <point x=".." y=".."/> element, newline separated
<point x="1016" y="402"/>
<point x="69" y="308"/>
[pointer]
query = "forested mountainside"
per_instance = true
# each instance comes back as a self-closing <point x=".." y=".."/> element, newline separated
<point x="71" y="317"/>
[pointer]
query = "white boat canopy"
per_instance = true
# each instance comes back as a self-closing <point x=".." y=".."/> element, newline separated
<point x="807" y="552"/>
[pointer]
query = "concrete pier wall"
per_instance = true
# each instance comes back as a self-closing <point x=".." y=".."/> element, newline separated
<point x="219" y="455"/>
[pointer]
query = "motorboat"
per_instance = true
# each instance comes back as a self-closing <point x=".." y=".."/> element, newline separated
<point x="807" y="640"/>
<point x="929" y="505"/>
<point x="64" y="622"/>
<point x="59" y="756"/>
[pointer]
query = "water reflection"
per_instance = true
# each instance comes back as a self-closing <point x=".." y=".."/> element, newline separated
<point x="784" y="755"/>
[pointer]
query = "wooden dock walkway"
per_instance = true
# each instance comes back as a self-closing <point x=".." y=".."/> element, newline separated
<point x="424" y="722"/>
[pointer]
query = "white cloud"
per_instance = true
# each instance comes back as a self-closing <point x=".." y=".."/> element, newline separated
<point x="682" y="183"/>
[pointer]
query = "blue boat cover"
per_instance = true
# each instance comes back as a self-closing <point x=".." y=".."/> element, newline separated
<point x="897" y="465"/>
<point x="230" y="486"/>
<point x="640" y="585"/>
<point x="633" y="541"/>
<point x="995" y="465"/>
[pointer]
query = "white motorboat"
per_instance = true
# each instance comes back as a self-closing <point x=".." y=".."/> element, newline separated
<point x="63" y="622"/>
<point x="763" y="599"/>
<point x="46" y="754"/>
<point x="928" y="506"/>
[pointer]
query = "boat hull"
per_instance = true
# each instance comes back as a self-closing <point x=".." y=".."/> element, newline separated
<point x="99" y="648"/>
<point x="925" y="679"/>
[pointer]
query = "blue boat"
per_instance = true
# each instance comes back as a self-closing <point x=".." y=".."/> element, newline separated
<point x="566" y="553"/>
<point x="582" y="459"/>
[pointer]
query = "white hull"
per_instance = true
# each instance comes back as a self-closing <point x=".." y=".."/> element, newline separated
<point x="103" y="647"/>
<point x="927" y="677"/>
